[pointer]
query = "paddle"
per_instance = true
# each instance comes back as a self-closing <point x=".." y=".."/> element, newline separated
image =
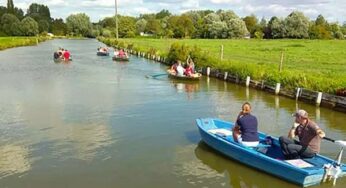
<point x="155" y="75"/>
<point x="338" y="142"/>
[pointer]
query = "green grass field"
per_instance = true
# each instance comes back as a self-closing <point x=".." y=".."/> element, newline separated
<point x="318" y="65"/>
<point x="10" y="42"/>
<point x="315" y="56"/>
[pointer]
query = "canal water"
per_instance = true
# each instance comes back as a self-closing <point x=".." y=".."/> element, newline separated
<point x="94" y="122"/>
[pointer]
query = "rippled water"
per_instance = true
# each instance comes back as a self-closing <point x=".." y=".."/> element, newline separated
<point x="98" y="123"/>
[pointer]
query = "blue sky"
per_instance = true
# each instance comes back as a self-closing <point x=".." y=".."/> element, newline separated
<point x="332" y="10"/>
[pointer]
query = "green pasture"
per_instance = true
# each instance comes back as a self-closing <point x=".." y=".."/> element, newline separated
<point x="10" y="42"/>
<point x="312" y="64"/>
<point x="315" y="56"/>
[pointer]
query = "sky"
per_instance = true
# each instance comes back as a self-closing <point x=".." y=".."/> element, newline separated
<point x="332" y="10"/>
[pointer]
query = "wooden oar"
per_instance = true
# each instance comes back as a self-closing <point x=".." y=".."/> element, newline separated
<point x="338" y="142"/>
<point x="155" y="75"/>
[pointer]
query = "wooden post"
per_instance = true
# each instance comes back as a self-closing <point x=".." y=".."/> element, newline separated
<point x="319" y="99"/>
<point x="208" y="71"/>
<point x="262" y="84"/>
<point x="281" y="61"/>
<point x="225" y="76"/>
<point x="277" y="88"/>
<point x="298" y="93"/>
<point x="247" y="81"/>
<point x="221" y="55"/>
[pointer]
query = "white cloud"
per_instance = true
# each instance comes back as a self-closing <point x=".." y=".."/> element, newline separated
<point x="333" y="10"/>
<point x="225" y="1"/>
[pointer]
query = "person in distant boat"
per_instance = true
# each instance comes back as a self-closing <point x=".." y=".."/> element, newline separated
<point x="103" y="49"/>
<point x="180" y="69"/>
<point x="56" y="55"/>
<point x="245" y="129"/>
<point x="121" y="53"/>
<point x="66" y="55"/>
<point x="309" y="134"/>
<point x="116" y="52"/>
<point x="188" y="70"/>
<point x="174" y="68"/>
<point x="190" y="63"/>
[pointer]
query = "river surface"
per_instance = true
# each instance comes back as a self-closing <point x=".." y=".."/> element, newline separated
<point x="94" y="122"/>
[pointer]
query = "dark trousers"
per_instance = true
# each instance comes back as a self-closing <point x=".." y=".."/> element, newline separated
<point x="293" y="150"/>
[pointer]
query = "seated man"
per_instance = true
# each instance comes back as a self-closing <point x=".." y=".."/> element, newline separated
<point x="309" y="135"/>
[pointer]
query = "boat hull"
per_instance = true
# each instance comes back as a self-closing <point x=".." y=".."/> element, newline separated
<point x="195" y="77"/>
<point x="59" y="60"/>
<point x="120" y="58"/>
<point x="274" y="164"/>
<point x="102" y="53"/>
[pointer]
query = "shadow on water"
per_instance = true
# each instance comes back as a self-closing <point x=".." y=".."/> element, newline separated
<point x="239" y="174"/>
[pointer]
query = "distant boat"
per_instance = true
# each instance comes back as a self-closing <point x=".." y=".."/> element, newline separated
<point x="195" y="76"/>
<point x="99" y="53"/>
<point x="266" y="157"/>
<point x="118" y="58"/>
<point x="59" y="60"/>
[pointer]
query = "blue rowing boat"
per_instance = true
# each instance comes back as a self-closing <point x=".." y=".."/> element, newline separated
<point x="267" y="156"/>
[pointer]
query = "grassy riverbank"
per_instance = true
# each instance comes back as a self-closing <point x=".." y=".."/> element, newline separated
<point x="318" y="65"/>
<point x="10" y="42"/>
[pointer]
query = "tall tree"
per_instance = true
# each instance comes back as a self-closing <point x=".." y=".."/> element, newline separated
<point x="79" y="24"/>
<point x="58" y="27"/>
<point x="237" y="28"/>
<point x="29" y="26"/>
<point x="7" y="20"/>
<point x="10" y="7"/>
<point x="163" y="13"/>
<point x="140" y="25"/>
<point x="276" y="28"/>
<point x="39" y="12"/>
<point x="251" y="23"/>
<point x="296" y="25"/>
<point x="3" y="10"/>
<point x="127" y="26"/>
<point x="153" y="26"/>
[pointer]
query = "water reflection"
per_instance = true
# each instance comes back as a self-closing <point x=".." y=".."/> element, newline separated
<point x="86" y="142"/>
<point x="187" y="87"/>
<point x="14" y="159"/>
<point x="239" y="175"/>
<point x="194" y="172"/>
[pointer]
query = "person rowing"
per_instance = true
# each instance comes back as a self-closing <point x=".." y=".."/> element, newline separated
<point x="309" y="134"/>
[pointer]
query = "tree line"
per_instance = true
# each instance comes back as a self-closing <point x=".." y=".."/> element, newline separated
<point x="221" y="24"/>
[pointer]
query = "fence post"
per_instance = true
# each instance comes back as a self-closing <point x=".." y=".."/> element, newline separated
<point x="277" y="88"/>
<point x="225" y="76"/>
<point x="247" y="81"/>
<point x="281" y="61"/>
<point x="298" y="93"/>
<point x="319" y="98"/>
<point x="208" y="71"/>
<point x="221" y="54"/>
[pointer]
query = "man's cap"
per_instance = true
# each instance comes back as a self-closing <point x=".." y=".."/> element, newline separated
<point x="300" y="113"/>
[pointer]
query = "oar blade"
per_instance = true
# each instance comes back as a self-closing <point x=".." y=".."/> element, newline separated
<point x="341" y="143"/>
